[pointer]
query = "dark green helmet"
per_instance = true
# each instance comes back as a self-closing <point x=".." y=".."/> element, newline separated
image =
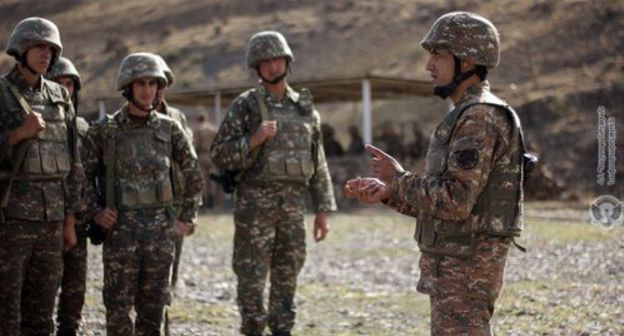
<point x="266" y="45"/>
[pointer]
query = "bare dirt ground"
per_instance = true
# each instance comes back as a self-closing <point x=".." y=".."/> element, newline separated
<point x="361" y="281"/>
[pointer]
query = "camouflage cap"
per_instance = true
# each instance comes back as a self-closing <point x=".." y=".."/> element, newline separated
<point x="65" y="68"/>
<point x="166" y="69"/>
<point x="466" y="35"/>
<point x="140" y="65"/>
<point x="33" y="31"/>
<point x="266" y="45"/>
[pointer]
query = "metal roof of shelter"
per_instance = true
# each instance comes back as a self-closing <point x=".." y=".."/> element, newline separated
<point x="326" y="90"/>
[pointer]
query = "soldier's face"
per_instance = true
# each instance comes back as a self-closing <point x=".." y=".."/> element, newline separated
<point x="441" y="67"/>
<point x="144" y="91"/>
<point x="272" y="68"/>
<point x="68" y="83"/>
<point x="39" y="56"/>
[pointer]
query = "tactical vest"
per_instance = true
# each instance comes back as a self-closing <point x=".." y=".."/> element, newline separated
<point x="49" y="154"/>
<point x="498" y="210"/>
<point x="143" y="167"/>
<point x="288" y="156"/>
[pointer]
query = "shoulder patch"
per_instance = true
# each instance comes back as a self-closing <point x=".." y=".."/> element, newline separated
<point x="467" y="158"/>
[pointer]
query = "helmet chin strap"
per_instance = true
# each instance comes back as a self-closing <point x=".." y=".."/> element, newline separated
<point x="445" y="91"/>
<point x="274" y="80"/>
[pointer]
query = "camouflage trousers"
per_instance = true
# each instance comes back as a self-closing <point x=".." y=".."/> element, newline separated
<point x="137" y="259"/>
<point x="463" y="291"/>
<point x="269" y="238"/>
<point x="30" y="271"/>
<point x="73" y="287"/>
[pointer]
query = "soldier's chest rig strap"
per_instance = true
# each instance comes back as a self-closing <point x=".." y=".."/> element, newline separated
<point x="498" y="209"/>
<point x="289" y="155"/>
<point x="44" y="157"/>
<point x="138" y="167"/>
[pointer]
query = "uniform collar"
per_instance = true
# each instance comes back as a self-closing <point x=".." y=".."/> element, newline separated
<point x="475" y="90"/>
<point x="290" y="93"/>
<point x="152" y="117"/>
<point x="16" y="77"/>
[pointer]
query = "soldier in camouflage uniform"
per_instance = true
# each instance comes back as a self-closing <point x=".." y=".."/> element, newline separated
<point x="139" y="145"/>
<point x="281" y="156"/>
<point x="73" y="284"/>
<point x="45" y="193"/>
<point x="468" y="201"/>
<point x="178" y="177"/>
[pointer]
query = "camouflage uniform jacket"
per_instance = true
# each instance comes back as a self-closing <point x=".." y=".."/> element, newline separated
<point x="49" y="197"/>
<point x="230" y="148"/>
<point x="471" y="186"/>
<point x="182" y="153"/>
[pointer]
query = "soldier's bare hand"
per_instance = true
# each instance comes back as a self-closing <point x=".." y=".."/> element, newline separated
<point x="33" y="124"/>
<point x="69" y="233"/>
<point x="106" y="218"/>
<point x="265" y="131"/>
<point x="321" y="228"/>
<point x="367" y="190"/>
<point x="184" y="229"/>
<point x="385" y="166"/>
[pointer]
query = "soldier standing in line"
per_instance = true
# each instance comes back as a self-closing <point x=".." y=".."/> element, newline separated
<point x="74" y="281"/>
<point x="40" y="179"/>
<point x="133" y="150"/>
<point x="178" y="178"/>
<point x="272" y="135"/>
<point x="468" y="201"/>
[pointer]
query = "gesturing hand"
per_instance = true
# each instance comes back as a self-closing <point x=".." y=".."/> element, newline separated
<point x="384" y="165"/>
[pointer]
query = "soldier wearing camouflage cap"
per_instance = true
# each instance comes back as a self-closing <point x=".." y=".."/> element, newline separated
<point x="73" y="283"/>
<point x="468" y="200"/>
<point x="271" y="136"/>
<point x="39" y="178"/>
<point x="131" y="154"/>
<point x="178" y="178"/>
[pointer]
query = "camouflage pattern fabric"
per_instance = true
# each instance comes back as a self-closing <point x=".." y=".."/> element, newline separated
<point x="139" y="251"/>
<point x="466" y="35"/>
<point x="462" y="274"/>
<point x="270" y="235"/>
<point x="74" y="280"/>
<point x="73" y="288"/>
<point x="31" y="252"/>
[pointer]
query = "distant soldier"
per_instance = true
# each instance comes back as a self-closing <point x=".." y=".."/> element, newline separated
<point x="73" y="284"/>
<point x="132" y="152"/>
<point x="356" y="145"/>
<point x="417" y="148"/>
<point x="468" y="201"/>
<point x="205" y="132"/>
<point x="40" y="180"/>
<point x="332" y="147"/>
<point x="272" y="134"/>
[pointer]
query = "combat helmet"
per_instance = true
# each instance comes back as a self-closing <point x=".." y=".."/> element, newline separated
<point x="140" y="65"/>
<point x="166" y="69"/>
<point x="33" y="31"/>
<point x="266" y="45"/>
<point x="466" y="35"/>
<point x="65" y="68"/>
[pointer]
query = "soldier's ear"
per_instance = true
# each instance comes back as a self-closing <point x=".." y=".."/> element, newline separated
<point x="467" y="65"/>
